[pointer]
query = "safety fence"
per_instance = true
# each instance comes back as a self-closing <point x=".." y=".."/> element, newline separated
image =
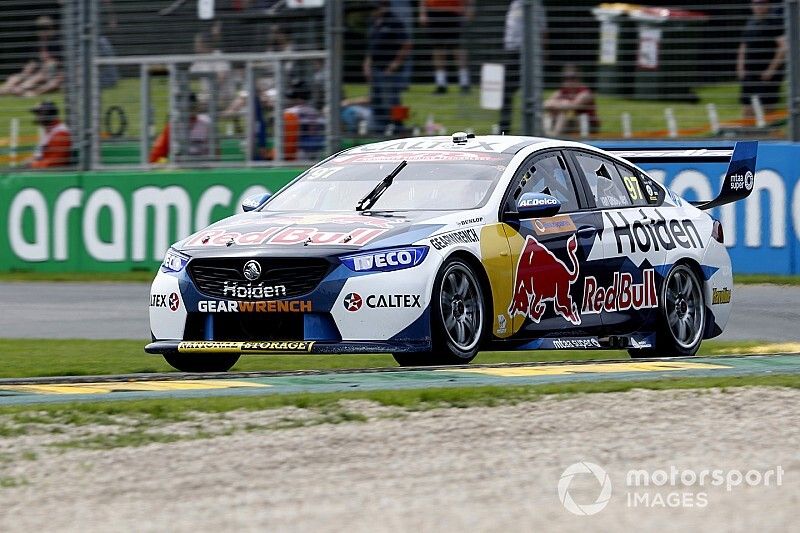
<point x="149" y="83"/>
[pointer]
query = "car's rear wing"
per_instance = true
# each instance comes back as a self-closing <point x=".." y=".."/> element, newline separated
<point x="739" y="178"/>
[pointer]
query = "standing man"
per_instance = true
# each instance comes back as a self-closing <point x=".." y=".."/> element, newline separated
<point x="388" y="45"/>
<point x="55" y="147"/>
<point x="762" y="52"/>
<point x="446" y="21"/>
<point x="512" y="43"/>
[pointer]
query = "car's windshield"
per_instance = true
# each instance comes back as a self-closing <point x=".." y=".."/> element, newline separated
<point x="437" y="181"/>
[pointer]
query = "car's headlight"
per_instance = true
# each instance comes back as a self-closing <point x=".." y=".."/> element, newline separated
<point x="386" y="260"/>
<point x="174" y="261"/>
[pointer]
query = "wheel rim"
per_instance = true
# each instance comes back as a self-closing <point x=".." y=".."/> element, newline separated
<point x="685" y="308"/>
<point x="461" y="307"/>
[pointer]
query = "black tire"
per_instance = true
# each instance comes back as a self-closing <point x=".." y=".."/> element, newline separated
<point x="201" y="363"/>
<point x="458" y="318"/>
<point x="682" y="316"/>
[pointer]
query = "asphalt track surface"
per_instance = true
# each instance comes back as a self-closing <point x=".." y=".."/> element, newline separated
<point x="119" y="311"/>
<point x="175" y="385"/>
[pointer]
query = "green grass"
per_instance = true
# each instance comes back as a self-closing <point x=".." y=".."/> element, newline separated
<point x="75" y="357"/>
<point x="411" y="400"/>
<point x="770" y="279"/>
<point x="461" y="112"/>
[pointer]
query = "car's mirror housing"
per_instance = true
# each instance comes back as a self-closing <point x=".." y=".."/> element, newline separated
<point x="536" y="205"/>
<point x="253" y="201"/>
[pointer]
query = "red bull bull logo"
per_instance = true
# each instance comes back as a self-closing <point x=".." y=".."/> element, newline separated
<point x="543" y="277"/>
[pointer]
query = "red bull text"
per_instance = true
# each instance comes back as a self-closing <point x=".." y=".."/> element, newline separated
<point x="623" y="294"/>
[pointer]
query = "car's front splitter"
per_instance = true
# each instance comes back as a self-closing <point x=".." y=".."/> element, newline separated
<point x="284" y="347"/>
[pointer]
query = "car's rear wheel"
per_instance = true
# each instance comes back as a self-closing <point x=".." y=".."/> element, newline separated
<point x="458" y="318"/>
<point x="682" y="316"/>
<point x="201" y="363"/>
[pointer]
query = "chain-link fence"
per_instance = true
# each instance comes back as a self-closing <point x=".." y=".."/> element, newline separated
<point x="263" y="82"/>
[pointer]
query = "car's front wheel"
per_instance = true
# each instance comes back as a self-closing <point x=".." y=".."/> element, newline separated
<point x="682" y="316"/>
<point x="201" y="363"/>
<point x="458" y="318"/>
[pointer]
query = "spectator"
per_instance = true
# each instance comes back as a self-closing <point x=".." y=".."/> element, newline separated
<point x="404" y="12"/>
<point x="512" y="43"/>
<point x="55" y="146"/>
<point x="446" y="21"/>
<point x="43" y="74"/>
<point x="388" y="46"/>
<point x="199" y="135"/>
<point x="310" y="124"/>
<point x="762" y="52"/>
<point x="214" y="73"/>
<point x="573" y="99"/>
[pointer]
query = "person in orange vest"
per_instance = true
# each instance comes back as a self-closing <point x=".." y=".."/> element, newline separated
<point x="199" y="134"/>
<point x="445" y="21"/>
<point x="55" y="147"/>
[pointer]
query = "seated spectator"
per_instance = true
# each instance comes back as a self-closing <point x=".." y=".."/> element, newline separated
<point x="43" y="74"/>
<point x="55" y="146"/>
<point x="199" y="134"/>
<point x="568" y="103"/>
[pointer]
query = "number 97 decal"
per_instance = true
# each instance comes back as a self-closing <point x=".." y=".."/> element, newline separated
<point x="634" y="191"/>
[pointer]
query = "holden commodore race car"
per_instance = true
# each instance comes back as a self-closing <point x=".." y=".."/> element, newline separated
<point x="432" y="249"/>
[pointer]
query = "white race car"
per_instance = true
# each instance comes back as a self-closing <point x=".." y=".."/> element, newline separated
<point x="434" y="248"/>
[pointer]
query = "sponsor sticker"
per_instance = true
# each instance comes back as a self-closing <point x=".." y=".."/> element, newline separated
<point x="554" y="225"/>
<point x="386" y="260"/>
<point x="353" y="301"/>
<point x="253" y="347"/>
<point x="170" y="301"/>
<point x="742" y="181"/>
<point x="470" y="221"/>
<point x="585" y="343"/>
<point x="623" y="294"/>
<point x="542" y="277"/>
<point x="464" y="236"/>
<point x="536" y="202"/>
<point x="309" y="236"/>
<point x="272" y="306"/>
<point x="234" y="289"/>
<point x="502" y="324"/>
<point x="652" y="233"/>
<point x="720" y="296"/>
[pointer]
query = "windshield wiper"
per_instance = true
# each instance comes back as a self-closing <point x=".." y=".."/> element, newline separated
<point x="375" y="194"/>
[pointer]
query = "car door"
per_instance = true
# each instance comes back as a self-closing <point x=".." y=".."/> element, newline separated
<point x="549" y="254"/>
<point x="627" y="257"/>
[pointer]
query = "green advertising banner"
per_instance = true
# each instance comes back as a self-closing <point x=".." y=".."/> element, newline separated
<point x="116" y="221"/>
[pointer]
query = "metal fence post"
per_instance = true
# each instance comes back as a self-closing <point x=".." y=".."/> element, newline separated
<point x="85" y="129"/>
<point x="70" y="29"/>
<point x="793" y="38"/>
<point x="334" y="44"/>
<point x="531" y="69"/>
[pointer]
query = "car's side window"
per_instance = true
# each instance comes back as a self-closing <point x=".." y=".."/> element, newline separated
<point x="547" y="174"/>
<point x="632" y="181"/>
<point x="604" y="181"/>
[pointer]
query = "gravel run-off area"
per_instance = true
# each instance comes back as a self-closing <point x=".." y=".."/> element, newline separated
<point x="388" y="469"/>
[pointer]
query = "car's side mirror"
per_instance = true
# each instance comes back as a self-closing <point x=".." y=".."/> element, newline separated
<point x="536" y="205"/>
<point x="252" y="202"/>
